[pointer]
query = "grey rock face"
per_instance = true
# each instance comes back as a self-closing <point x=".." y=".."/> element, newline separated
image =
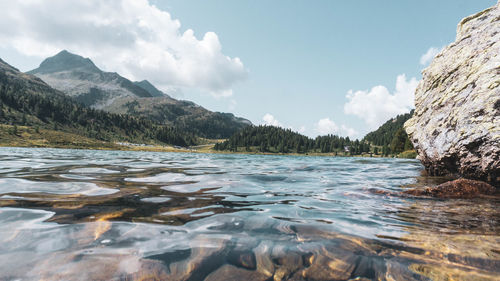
<point x="456" y="125"/>
<point x="82" y="80"/>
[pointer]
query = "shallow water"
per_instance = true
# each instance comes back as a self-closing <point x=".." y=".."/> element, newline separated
<point x="104" y="215"/>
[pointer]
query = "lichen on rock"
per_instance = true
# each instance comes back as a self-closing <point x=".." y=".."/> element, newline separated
<point x="456" y="125"/>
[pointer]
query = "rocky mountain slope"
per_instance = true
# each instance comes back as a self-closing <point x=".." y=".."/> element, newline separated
<point x="80" y="79"/>
<point x="28" y="101"/>
<point x="456" y="125"/>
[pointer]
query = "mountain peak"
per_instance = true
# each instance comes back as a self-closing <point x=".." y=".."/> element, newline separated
<point x="146" y="85"/>
<point x="7" y="67"/>
<point x="65" y="60"/>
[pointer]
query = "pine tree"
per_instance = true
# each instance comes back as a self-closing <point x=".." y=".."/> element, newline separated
<point x="385" y="150"/>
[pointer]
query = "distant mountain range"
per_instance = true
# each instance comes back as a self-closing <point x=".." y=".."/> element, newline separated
<point x="28" y="101"/>
<point x="70" y="93"/>
<point x="82" y="80"/>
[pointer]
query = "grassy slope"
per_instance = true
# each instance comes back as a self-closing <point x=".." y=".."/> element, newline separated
<point x="24" y="136"/>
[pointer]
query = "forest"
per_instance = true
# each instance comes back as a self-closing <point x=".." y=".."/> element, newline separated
<point x="278" y="140"/>
<point x="30" y="102"/>
<point x="27" y="101"/>
<point x="389" y="140"/>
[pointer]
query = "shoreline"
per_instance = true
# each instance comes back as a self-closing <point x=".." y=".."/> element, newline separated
<point x="159" y="148"/>
<point x="29" y="137"/>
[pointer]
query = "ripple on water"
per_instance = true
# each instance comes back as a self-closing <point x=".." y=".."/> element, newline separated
<point x="124" y="215"/>
<point x="156" y="199"/>
<point x="93" y="171"/>
<point x="166" y="178"/>
<point x="9" y="185"/>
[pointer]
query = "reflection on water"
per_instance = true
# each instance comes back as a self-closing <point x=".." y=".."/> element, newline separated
<point x="82" y="215"/>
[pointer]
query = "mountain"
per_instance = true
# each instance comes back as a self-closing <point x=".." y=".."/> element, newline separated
<point x="391" y="135"/>
<point x="27" y="100"/>
<point x="146" y="85"/>
<point x="82" y="80"/>
<point x="385" y="133"/>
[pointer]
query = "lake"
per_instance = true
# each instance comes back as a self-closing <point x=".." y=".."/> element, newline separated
<point x="120" y="215"/>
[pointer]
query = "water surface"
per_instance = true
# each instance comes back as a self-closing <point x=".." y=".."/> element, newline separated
<point x="104" y="215"/>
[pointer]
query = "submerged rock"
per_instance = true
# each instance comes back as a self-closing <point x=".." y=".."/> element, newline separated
<point x="461" y="188"/>
<point x="456" y="125"/>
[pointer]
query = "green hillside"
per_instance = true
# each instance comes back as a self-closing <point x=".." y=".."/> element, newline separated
<point x="391" y="137"/>
<point x="388" y="140"/>
<point x="272" y="139"/>
<point x="26" y="100"/>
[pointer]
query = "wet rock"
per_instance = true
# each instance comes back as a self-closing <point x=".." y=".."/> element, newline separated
<point x="230" y="273"/>
<point x="328" y="265"/>
<point x="286" y="262"/>
<point x="263" y="259"/>
<point x="395" y="271"/>
<point x="456" y="125"/>
<point x="440" y="272"/>
<point x="461" y="188"/>
<point x="149" y="270"/>
<point x="202" y="261"/>
<point x="244" y="259"/>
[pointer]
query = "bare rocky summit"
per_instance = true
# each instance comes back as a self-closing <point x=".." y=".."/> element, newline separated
<point x="456" y="125"/>
<point x="83" y="81"/>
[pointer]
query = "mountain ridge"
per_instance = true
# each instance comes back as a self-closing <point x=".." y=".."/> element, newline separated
<point x="146" y="85"/>
<point x="25" y="100"/>
<point x="80" y="79"/>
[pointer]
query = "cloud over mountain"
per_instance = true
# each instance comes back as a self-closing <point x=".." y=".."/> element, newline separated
<point x="270" y="120"/>
<point x="377" y="105"/>
<point x="326" y="126"/>
<point x="129" y="36"/>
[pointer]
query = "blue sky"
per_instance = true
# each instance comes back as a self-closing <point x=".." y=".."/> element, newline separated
<point x="299" y="58"/>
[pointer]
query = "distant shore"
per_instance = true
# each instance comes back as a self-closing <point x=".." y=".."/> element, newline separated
<point x="29" y="137"/>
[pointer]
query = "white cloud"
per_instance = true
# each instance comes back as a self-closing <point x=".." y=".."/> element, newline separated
<point x="271" y="121"/>
<point x="348" y="131"/>
<point x="326" y="126"/>
<point x="222" y="93"/>
<point x="426" y="58"/>
<point x="378" y="105"/>
<point x="131" y="37"/>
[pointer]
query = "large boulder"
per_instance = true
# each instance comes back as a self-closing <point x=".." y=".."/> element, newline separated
<point x="456" y="125"/>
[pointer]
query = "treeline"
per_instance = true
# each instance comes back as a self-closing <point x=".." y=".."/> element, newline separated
<point x="389" y="140"/>
<point x="26" y="100"/>
<point x="385" y="133"/>
<point x="391" y="136"/>
<point x="278" y="140"/>
<point x="189" y="117"/>
<point x="213" y="126"/>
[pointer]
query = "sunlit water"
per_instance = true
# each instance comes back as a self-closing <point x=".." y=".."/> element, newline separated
<point x="104" y="215"/>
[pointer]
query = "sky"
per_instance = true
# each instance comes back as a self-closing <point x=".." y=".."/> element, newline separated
<point x="318" y="67"/>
